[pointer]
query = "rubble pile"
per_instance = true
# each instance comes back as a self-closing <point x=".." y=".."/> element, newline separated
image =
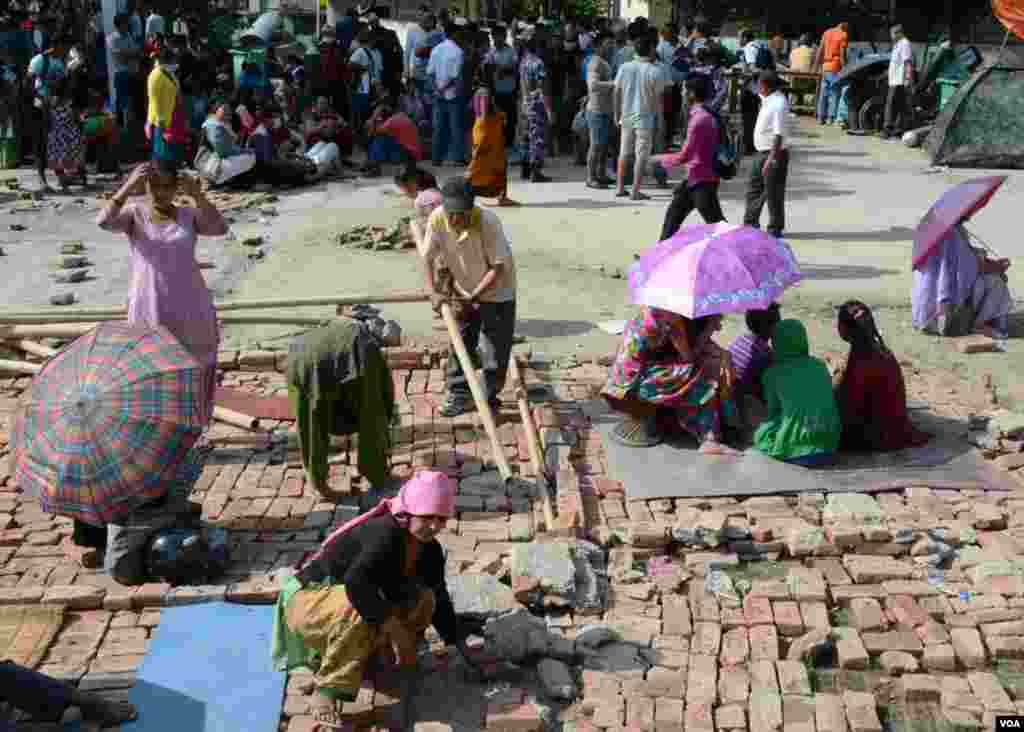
<point x="379" y="238"/>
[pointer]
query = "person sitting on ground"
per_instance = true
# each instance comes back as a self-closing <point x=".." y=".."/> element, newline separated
<point x="393" y="138"/>
<point x="870" y="390"/>
<point x="323" y="124"/>
<point x="802" y="425"/>
<point x="670" y="362"/>
<point x="221" y="139"/>
<point x="488" y="168"/>
<point x="339" y="383"/>
<point x="469" y="243"/>
<point x="270" y="167"/>
<point x="374" y="585"/>
<point x="751" y="355"/>
<point x="960" y="289"/>
<point x="46" y="699"/>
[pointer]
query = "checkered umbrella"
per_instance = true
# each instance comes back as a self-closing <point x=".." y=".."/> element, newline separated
<point x="109" y="423"/>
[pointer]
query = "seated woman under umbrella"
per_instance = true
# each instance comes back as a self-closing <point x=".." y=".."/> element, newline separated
<point x="373" y="586"/>
<point x="960" y="289"/>
<point x="669" y="362"/>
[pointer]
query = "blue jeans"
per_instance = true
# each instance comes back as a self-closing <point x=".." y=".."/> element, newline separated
<point x="828" y="100"/>
<point x="449" y="134"/>
<point x="385" y="149"/>
<point x="814" y="460"/>
<point x="360" y="110"/>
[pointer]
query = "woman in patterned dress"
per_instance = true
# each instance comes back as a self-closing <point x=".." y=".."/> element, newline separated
<point x="670" y="362"/>
<point x="536" y="112"/>
<point x="65" y="146"/>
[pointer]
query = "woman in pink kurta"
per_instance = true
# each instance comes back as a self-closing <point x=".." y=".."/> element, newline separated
<point x="168" y="288"/>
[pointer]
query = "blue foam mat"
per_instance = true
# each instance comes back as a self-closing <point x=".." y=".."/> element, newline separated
<point x="208" y="669"/>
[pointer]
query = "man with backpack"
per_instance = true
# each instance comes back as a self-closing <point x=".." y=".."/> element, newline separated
<point x="702" y="155"/>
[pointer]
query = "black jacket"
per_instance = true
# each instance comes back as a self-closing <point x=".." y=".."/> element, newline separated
<point x="368" y="560"/>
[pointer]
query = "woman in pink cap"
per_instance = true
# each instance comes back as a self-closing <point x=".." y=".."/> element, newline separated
<point x="375" y="584"/>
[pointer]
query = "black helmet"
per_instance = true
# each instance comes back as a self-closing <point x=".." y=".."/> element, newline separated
<point x="187" y="556"/>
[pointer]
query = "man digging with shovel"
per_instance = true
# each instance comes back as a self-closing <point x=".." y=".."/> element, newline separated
<point x="467" y="258"/>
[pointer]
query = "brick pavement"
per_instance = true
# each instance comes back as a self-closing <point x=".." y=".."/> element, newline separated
<point x="848" y="574"/>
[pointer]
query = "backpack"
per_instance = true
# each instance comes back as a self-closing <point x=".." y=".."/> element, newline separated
<point x="764" y="60"/>
<point x="726" y="162"/>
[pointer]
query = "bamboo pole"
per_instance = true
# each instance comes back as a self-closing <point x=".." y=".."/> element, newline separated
<point x="532" y="441"/>
<point x="69" y="315"/>
<point x="45" y="330"/>
<point x="19" y="367"/>
<point x="479" y="397"/>
<point x="34" y="349"/>
<point x="236" y="419"/>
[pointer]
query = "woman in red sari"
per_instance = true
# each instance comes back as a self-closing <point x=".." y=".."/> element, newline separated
<point x="870" y="390"/>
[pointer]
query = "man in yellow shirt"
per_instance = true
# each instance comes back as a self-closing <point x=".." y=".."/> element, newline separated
<point x="471" y="245"/>
<point x="801" y="58"/>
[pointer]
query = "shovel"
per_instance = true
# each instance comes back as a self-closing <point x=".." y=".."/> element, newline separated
<point x="484" y="409"/>
<point x="532" y="442"/>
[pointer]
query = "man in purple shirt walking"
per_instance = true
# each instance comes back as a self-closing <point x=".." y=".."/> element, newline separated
<point x="700" y="188"/>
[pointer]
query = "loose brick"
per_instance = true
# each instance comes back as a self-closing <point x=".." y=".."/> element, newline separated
<point x="707" y="639"/>
<point x="895" y="640"/>
<point x="735" y="647"/>
<point x="968" y="647"/>
<point x="728" y="717"/>
<point x="990" y="692"/>
<point x="906" y="612"/>
<point x="815" y="615"/>
<point x="1006" y="647"/>
<point x="757" y="610"/>
<point x="702" y="679"/>
<point x="764" y="643"/>
<point x="793" y="678"/>
<point x="861" y="712"/>
<point x="866" y="614"/>
<point x="850" y="650"/>
<point x="918" y="688"/>
<point x="76" y="597"/>
<point x="640" y="713"/>
<point x="765" y="711"/>
<point x="787" y="618"/>
<point x="798" y="714"/>
<point x="829" y="713"/>
<point x="939" y="657"/>
<point x="668" y="715"/>
<point x="734" y="685"/>
<point x="663" y="682"/>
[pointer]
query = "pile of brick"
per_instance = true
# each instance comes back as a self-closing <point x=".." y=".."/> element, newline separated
<point x="379" y="238"/>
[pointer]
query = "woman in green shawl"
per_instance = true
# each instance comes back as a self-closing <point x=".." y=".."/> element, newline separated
<point x="803" y="424"/>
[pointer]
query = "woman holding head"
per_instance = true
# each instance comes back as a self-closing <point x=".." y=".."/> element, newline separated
<point x="167" y="287"/>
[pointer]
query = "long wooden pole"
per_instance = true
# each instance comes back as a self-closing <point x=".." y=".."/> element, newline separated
<point x="486" y="416"/>
<point x="45" y="330"/>
<point x="71" y="315"/>
<point x="532" y="441"/>
<point x="237" y="419"/>
<point x="19" y="367"/>
<point x="34" y="349"/>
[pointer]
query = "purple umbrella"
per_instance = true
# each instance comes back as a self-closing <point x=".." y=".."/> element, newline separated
<point x="714" y="268"/>
<point x="957" y="204"/>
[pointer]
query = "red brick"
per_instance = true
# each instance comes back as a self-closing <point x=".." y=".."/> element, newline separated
<point x="758" y="610"/>
<point x="787" y="618"/>
<point x="905" y="611"/>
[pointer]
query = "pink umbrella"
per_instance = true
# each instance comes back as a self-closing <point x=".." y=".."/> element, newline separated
<point x="714" y="268"/>
<point x="955" y="205"/>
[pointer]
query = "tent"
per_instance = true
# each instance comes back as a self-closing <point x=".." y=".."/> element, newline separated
<point x="981" y="126"/>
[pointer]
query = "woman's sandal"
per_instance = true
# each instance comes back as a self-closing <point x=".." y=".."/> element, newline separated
<point x="636" y="433"/>
<point x="326" y="712"/>
<point x="714" y="447"/>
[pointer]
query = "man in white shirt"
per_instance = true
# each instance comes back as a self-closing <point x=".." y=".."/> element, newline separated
<point x="770" y="165"/>
<point x="445" y="71"/>
<point x="901" y="78"/>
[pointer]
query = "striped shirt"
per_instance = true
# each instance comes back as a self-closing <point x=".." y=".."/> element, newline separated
<point x="750" y="357"/>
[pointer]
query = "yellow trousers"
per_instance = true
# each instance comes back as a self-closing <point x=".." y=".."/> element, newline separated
<point x="331" y="626"/>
